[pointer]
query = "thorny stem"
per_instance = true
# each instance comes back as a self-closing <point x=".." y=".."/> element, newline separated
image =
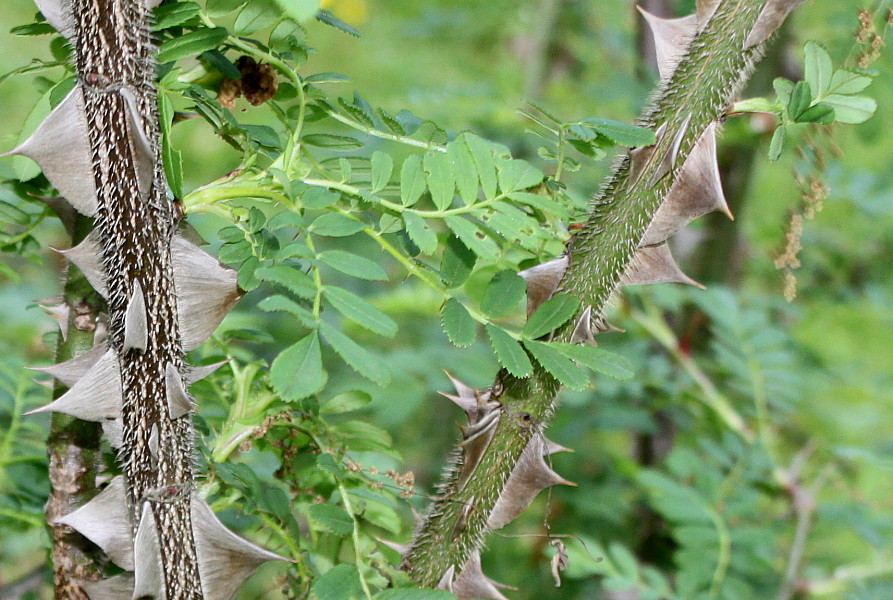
<point x="697" y="93"/>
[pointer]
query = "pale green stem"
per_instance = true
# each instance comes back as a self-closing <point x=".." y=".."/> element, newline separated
<point x="355" y="535"/>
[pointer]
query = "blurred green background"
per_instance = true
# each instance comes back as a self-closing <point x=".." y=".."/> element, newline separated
<point x="823" y="364"/>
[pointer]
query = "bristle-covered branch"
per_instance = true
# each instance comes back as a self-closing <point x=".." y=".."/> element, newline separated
<point x="100" y="148"/>
<point x="653" y="192"/>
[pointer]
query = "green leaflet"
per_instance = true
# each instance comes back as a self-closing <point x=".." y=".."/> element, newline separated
<point x="189" y="44"/>
<point x="361" y="360"/>
<point x="297" y="372"/>
<point x="420" y="232"/>
<point x="353" y="264"/>
<point x="509" y="352"/>
<point x="503" y="293"/>
<point x="359" y="311"/>
<point x="457" y="323"/>
<point x="551" y="314"/>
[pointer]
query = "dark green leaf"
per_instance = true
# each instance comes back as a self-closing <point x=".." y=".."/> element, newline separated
<point x="606" y="363"/>
<point x="170" y="15"/>
<point x="188" y="44"/>
<point x="503" y="293"/>
<point x="220" y="62"/>
<point x="509" y="352"/>
<point x="818" y="113"/>
<point x="359" y="311"/>
<point x="279" y="303"/>
<point x="558" y="365"/>
<point x="297" y="372"/>
<point x="464" y="171"/>
<point x="801" y="98"/>
<point x="457" y="323"/>
<point x="551" y="314"/>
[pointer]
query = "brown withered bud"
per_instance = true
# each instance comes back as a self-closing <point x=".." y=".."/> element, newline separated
<point x="258" y="83"/>
<point x="258" y="80"/>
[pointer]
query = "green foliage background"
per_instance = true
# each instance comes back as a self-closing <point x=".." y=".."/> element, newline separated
<point x="711" y="519"/>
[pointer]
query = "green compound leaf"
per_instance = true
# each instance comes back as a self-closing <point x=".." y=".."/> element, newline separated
<point x="551" y="314"/>
<point x="333" y="224"/>
<point x="503" y="293"/>
<point x="291" y="278"/>
<point x="606" y="363"/>
<point x="509" y="352"/>
<point x="360" y="312"/>
<point x="194" y="42"/>
<point x="353" y="264"/>
<point x="382" y="169"/>
<point x="561" y="367"/>
<point x="297" y="372"/>
<point x="420" y="232"/>
<point x="412" y="180"/>
<point x="361" y="360"/>
<point x="221" y="8"/>
<point x="457" y="323"/>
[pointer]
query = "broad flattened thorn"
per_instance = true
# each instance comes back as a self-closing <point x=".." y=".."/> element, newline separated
<point x="582" y="332"/>
<point x="206" y="291"/>
<point x="655" y="264"/>
<point x="472" y="583"/>
<point x="105" y="521"/>
<point x="671" y="39"/>
<point x="136" y="327"/>
<point x="542" y="281"/>
<point x="530" y="475"/>
<point x="85" y="256"/>
<point x="59" y="313"/>
<point x="95" y="397"/>
<point x="59" y="146"/>
<point x="148" y="577"/>
<point x="465" y="397"/>
<point x="771" y="17"/>
<point x="198" y="372"/>
<point x="143" y="156"/>
<point x="705" y="10"/>
<point x="178" y="401"/>
<point x="225" y="560"/>
<point x="696" y="192"/>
